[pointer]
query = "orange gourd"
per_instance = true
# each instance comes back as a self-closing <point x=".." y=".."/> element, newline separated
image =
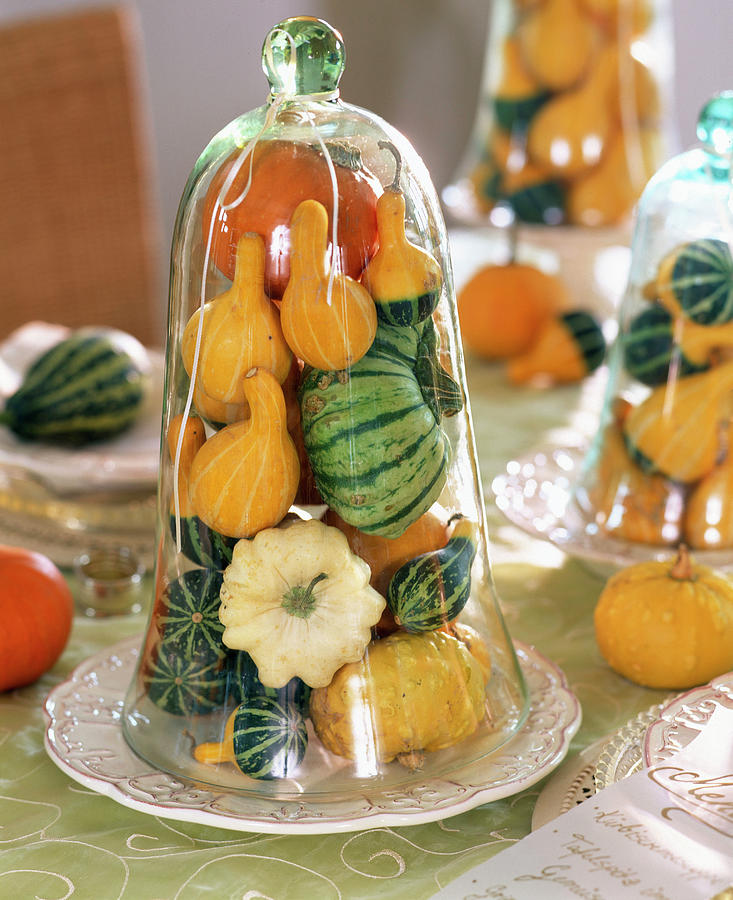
<point x="37" y="609"/>
<point x="709" y="507"/>
<point x="557" y="43"/>
<point x="194" y="437"/>
<point x="241" y="330"/>
<point x="328" y="319"/>
<point x="245" y="477"/>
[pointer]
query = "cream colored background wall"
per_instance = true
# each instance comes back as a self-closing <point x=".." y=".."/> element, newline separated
<point x="416" y="63"/>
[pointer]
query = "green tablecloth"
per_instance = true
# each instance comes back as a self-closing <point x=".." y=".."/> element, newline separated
<point x="59" y="839"/>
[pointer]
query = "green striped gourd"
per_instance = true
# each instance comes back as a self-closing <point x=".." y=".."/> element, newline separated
<point x="433" y="588"/>
<point x="649" y="348"/>
<point x="243" y="684"/>
<point x="189" y="618"/>
<point x="697" y="278"/>
<point x="202" y="545"/>
<point x="186" y="685"/>
<point x="542" y="203"/>
<point x="373" y="438"/>
<point x="83" y="389"/>
<point x="270" y="738"/>
<point x="568" y="347"/>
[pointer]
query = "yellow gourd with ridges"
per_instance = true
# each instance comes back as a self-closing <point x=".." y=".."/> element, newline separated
<point x="709" y="507"/>
<point x="241" y="330"/>
<point x="410" y="693"/>
<point x="667" y="624"/>
<point x="571" y="132"/>
<point x="675" y="430"/>
<point x="245" y="476"/>
<point x="403" y="279"/>
<point x="557" y="43"/>
<point x="328" y="319"/>
<point x="194" y="436"/>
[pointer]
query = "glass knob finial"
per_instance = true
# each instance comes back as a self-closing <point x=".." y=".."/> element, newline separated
<point x="303" y="55"/>
<point x="715" y="124"/>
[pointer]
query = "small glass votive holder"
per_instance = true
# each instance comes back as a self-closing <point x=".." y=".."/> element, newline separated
<point x="110" y="582"/>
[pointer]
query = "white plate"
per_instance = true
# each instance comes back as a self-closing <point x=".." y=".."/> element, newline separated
<point x="536" y="494"/>
<point x="129" y="461"/>
<point x="84" y="738"/>
<point x="684" y="717"/>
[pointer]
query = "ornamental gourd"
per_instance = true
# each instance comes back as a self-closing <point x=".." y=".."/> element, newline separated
<point x="518" y="94"/>
<point x="568" y="347"/>
<point x="667" y="624"/>
<point x="328" y="319"/>
<point x="240" y="331"/>
<point x="556" y="42"/>
<point x="299" y="602"/>
<point x="696" y="279"/>
<point x="245" y="477"/>
<point x="433" y="588"/>
<point x="418" y="692"/>
<point x="36" y="609"/>
<point x="373" y="433"/>
<point x="708" y="522"/>
<point x="676" y="431"/>
<point x="403" y="279"/>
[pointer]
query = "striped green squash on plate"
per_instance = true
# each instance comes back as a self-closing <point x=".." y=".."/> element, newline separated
<point x="81" y="390"/>
<point x="701" y="281"/>
<point x="649" y="348"/>
<point x="190" y="615"/>
<point x="432" y="589"/>
<point x="201" y="544"/>
<point x="186" y="685"/>
<point x="243" y="684"/>
<point x="270" y="738"/>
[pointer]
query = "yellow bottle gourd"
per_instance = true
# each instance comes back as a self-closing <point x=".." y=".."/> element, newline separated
<point x="571" y="132"/>
<point x="194" y="437"/>
<point x="241" y="330"/>
<point x="676" y="429"/>
<point x="414" y="692"/>
<point x="403" y="279"/>
<point x="667" y="624"/>
<point x="328" y="319"/>
<point x="620" y="16"/>
<point x="245" y="477"/>
<point x="709" y="507"/>
<point x="557" y="43"/>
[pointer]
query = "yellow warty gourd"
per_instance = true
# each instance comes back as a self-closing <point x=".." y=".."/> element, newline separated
<point x="245" y="477"/>
<point x="241" y="330"/>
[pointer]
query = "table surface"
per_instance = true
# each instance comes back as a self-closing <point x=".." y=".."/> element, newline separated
<point x="58" y="838"/>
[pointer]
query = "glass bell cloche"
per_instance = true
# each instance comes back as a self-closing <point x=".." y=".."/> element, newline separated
<point x="570" y="125"/>
<point x="661" y="470"/>
<point x="323" y="606"/>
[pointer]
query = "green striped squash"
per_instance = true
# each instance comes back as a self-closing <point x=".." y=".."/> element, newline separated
<point x="190" y="615"/>
<point x="701" y="281"/>
<point x="202" y="545"/>
<point x="515" y="113"/>
<point x="186" y="685"/>
<point x="378" y="453"/>
<point x="649" y="348"/>
<point x="587" y="333"/>
<point x="433" y="588"/>
<point x="539" y="204"/>
<point x="83" y="389"/>
<point x="270" y="738"/>
<point x="243" y="683"/>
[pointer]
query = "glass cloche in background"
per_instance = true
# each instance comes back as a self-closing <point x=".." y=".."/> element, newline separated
<point x="323" y="606"/>
<point x="661" y="470"/>
<point x="571" y="123"/>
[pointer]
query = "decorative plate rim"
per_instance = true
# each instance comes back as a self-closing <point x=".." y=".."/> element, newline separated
<point x="553" y="707"/>
<point x="535" y="494"/>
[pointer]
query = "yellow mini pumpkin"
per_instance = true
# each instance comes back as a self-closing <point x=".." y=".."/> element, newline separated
<point x="667" y="624"/>
<point x="411" y="693"/>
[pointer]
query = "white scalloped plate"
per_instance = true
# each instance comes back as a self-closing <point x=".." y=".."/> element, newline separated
<point x="536" y="494"/>
<point x="84" y="739"/>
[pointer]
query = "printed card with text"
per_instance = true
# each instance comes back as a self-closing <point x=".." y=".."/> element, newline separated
<point x="665" y="833"/>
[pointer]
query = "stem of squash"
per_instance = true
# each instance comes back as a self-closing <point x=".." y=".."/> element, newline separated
<point x="682" y="569"/>
<point x="299" y="601"/>
<point x="388" y="145"/>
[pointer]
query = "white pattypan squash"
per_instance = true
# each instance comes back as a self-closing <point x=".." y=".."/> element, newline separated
<point x="299" y="602"/>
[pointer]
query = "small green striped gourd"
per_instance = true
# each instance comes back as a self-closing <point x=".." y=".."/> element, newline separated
<point x="186" y="685"/>
<point x="375" y="444"/>
<point x="83" y="389"/>
<point x="433" y="588"/>
<point x="189" y="618"/>
<point x="202" y="545"/>
<point x="588" y="335"/>
<point x="698" y="277"/>
<point x="243" y="684"/>
<point x="270" y="738"/>
<point x="649" y="348"/>
<point x="542" y="203"/>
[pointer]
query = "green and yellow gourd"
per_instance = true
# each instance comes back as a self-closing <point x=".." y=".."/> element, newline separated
<point x="432" y="589"/>
<point x="676" y="429"/>
<point x="403" y="279"/>
<point x="518" y="95"/>
<point x="568" y="347"/>
<point x="649" y="348"/>
<point x="243" y="683"/>
<point x="83" y="389"/>
<point x="373" y="434"/>
<point x="696" y="279"/>
<point x="263" y="737"/>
